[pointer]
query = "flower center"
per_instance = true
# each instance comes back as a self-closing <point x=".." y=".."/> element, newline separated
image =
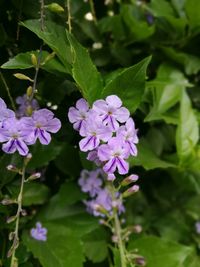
<point x="38" y="125"/>
<point x="15" y="136"/>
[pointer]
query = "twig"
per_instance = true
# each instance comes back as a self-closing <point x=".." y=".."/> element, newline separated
<point x="69" y="18"/>
<point x="19" y="18"/>
<point x="42" y="15"/>
<point x="93" y="11"/>
<point x="8" y="91"/>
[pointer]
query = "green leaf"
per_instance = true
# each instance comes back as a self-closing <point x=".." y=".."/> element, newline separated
<point x="55" y="37"/>
<point x="23" y="61"/>
<point x="61" y="249"/>
<point x="84" y="71"/>
<point x="167" y="88"/>
<point x="192" y="9"/>
<point x="158" y="252"/>
<point x="129" y="85"/>
<point x="187" y="134"/>
<point x="35" y="193"/>
<point x="95" y="245"/>
<point x="42" y="155"/>
<point x="161" y="8"/>
<point x="147" y="158"/>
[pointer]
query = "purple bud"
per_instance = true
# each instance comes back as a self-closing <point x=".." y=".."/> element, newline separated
<point x="12" y="168"/>
<point x="130" y="179"/>
<point x="131" y="190"/>
<point x="34" y="176"/>
<point x="111" y="177"/>
<point x="140" y="261"/>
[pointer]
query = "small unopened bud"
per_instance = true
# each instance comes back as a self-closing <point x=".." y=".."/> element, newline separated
<point x="132" y="190"/>
<point x="23" y="212"/>
<point x="12" y="168"/>
<point x="140" y="261"/>
<point x="54" y="7"/>
<point x="29" y="111"/>
<point x="11" y="236"/>
<point x="34" y="176"/>
<point x="28" y="158"/>
<point x="137" y="228"/>
<point x="111" y="177"/>
<point x="29" y="91"/>
<point x="8" y="201"/>
<point x="49" y="57"/>
<point x="130" y="179"/>
<point x="114" y="239"/>
<point x="11" y="219"/>
<point x="21" y="76"/>
<point x="100" y="209"/>
<point x="34" y="60"/>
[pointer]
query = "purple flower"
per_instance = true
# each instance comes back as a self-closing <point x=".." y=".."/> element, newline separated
<point x="40" y="124"/>
<point x="39" y="233"/>
<point x="5" y="113"/>
<point x="111" y="111"/>
<point x="91" y="182"/>
<point x="114" y="154"/>
<point x="94" y="132"/>
<point x="129" y="134"/>
<point x="78" y="115"/>
<point x="26" y="106"/>
<point x="93" y="156"/>
<point x="14" y="137"/>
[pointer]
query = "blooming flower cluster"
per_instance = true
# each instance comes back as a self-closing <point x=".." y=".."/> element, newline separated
<point x="108" y="131"/>
<point x="101" y="200"/>
<point x="16" y="134"/>
<point x="39" y="233"/>
<point x="26" y="106"/>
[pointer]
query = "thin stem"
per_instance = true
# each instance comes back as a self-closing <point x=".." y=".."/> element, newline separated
<point x="119" y="240"/>
<point x="8" y="92"/>
<point x="69" y="18"/>
<point x="42" y="15"/>
<point x="93" y="11"/>
<point x="19" y="209"/>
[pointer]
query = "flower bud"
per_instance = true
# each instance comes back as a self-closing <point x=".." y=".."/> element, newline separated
<point x="34" y="176"/>
<point x="11" y="236"/>
<point x="12" y="168"/>
<point x="131" y="190"/>
<point x="111" y="177"/>
<point x="140" y="261"/>
<point x="54" y="7"/>
<point x="130" y="179"/>
<point x="8" y="201"/>
<point x="11" y="219"/>
<point x="34" y="60"/>
<point x="29" y="91"/>
<point x="21" y="76"/>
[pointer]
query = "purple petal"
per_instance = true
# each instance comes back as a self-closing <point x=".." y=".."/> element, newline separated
<point x="100" y="106"/>
<point x="114" y="101"/>
<point x="113" y="123"/>
<point x="132" y="148"/>
<point x="2" y="104"/>
<point x="122" y="166"/>
<point x="89" y="143"/>
<point x="21" y="147"/>
<point x="73" y="115"/>
<point x="44" y="137"/>
<point x="122" y="114"/>
<point x="9" y="147"/>
<point x="53" y="125"/>
<point x="104" y="152"/>
<point x="110" y="166"/>
<point x="82" y="104"/>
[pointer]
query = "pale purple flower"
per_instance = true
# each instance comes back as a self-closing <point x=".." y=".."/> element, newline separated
<point x="93" y="156"/>
<point x="39" y="233"/>
<point x="129" y="134"/>
<point x="14" y="137"/>
<point x="40" y="124"/>
<point x="111" y="111"/>
<point x="91" y="182"/>
<point x="197" y="227"/>
<point x="93" y="133"/>
<point x="114" y="154"/>
<point x="5" y="113"/>
<point x="26" y="106"/>
<point x="78" y="115"/>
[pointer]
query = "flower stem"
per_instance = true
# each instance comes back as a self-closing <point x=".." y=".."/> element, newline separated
<point x="8" y="91"/>
<point x="119" y="240"/>
<point x="19" y="209"/>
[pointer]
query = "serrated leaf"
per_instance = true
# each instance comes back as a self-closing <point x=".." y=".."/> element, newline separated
<point x="129" y="85"/>
<point x="84" y="71"/>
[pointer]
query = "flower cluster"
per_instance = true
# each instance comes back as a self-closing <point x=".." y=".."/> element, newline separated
<point x="108" y="131"/>
<point x="26" y="106"/>
<point x="16" y="134"/>
<point x="101" y="201"/>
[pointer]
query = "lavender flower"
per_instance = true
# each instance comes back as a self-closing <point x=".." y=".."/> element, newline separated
<point x="5" y="113"/>
<point x="129" y="134"/>
<point x="39" y="233"/>
<point x="93" y="133"/>
<point x="91" y="182"/>
<point x="14" y="137"/>
<point x="40" y="124"/>
<point x="26" y="106"/>
<point x="111" y="111"/>
<point x="78" y="115"/>
<point x="114" y="154"/>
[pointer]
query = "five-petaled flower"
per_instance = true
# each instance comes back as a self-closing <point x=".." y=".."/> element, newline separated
<point x="39" y="233"/>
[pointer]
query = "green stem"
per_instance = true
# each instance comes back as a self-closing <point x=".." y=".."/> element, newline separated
<point x="93" y="11"/>
<point x="8" y="91"/>
<point x="19" y="209"/>
<point x="119" y="240"/>
<point x="69" y="18"/>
